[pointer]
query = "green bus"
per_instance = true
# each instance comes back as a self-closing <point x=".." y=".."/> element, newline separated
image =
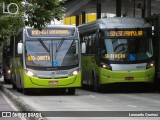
<point x="117" y="50"/>
<point x="49" y="58"/>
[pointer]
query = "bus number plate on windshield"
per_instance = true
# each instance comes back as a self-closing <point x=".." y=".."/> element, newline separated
<point x="129" y="78"/>
<point x="53" y="82"/>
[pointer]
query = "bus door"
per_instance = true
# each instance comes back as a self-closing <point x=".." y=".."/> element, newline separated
<point x="88" y="59"/>
<point x="86" y="62"/>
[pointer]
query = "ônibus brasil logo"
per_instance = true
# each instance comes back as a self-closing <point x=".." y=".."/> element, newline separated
<point x="7" y="9"/>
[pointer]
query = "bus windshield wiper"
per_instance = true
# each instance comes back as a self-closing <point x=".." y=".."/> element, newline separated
<point x="45" y="47"/>
<point x="58" y="47"/>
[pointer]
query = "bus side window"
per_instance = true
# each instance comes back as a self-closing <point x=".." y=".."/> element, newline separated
<point x="87" y="45"/>
<point x="103" y="50"/>
<point x="82" y="38"/>
<point x="89" y="39"/>
<point x="103" y="46"/>
<point x="97" y="38"/>
<point x="17" y="40"/>
<point x="90" y="44"/>
<point x="93" y="44"/>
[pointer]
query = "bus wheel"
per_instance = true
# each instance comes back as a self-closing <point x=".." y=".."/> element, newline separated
<point x="71" y="91"/>
<point x="14" y="86"/>
<point x="26" y="91"/>
<point x="96" y="85"/>
<point x="13" y="79"/>
<point x="19" y="89"/>
<point x="7" y="80"/>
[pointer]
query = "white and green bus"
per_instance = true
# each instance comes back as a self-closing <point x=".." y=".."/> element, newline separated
<point x="117" y="50"/>
<point x="49" y="58"/>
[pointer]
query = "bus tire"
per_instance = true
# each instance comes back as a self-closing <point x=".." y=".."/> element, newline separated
<point x="96" y="85"/>
<point x="14" y="86"/>
<point x="26" y="91"/>
<point x="71" y="91"/>
<point x="19" y="89"/>
<point x="7" y="81"/>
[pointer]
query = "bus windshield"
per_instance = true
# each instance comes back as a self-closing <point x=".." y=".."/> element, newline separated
<point x="128" y="49"/>
<point x="51" y="53"/>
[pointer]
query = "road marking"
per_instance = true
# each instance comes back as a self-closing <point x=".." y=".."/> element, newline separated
<point x="108" y="100"/>
<point x="131" y="106"/>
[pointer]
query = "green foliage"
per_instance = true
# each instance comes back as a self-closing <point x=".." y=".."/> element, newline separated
<point x="39" y="12"/>
<point x="42" y="12"/>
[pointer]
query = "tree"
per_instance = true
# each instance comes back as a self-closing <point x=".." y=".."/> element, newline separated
<point x="33" y="13"/>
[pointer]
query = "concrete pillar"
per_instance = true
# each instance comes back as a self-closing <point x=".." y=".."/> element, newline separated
<point x="118" y="8"/>
<point x="77" y="20"/>
<point x="83" y="17"/>
<point x="147" y="8"/>
<point x="143" y="12"/>
<point x="134" y="8"/>
<point x="98" y="10"/>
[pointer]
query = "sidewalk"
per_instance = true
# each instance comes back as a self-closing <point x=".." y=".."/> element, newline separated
<point x="5" y="105"/>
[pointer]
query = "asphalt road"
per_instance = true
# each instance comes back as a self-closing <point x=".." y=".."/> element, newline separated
<point x="85" y="100"/>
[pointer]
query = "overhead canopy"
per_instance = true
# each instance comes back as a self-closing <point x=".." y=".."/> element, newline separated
<point x="76" y="7"/>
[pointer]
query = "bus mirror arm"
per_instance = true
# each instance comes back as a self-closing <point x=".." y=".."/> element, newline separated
<point x="83" y="47"/>
<point x="20" y="48"/>
<point x="77" y="47"/>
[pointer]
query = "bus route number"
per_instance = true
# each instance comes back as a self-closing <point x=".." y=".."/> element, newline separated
<point x="115" y="56"/>
<point x="126" y="33"/>
<point x="39" y="58"/>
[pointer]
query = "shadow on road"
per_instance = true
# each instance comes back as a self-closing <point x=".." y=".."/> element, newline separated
<point x="125" y="88"/>
<point x="48" y="92"/>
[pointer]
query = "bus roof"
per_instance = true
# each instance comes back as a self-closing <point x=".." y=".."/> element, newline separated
<point x="114" y="22"/>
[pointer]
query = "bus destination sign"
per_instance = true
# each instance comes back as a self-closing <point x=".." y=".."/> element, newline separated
<point x="127" y="33"/>
<point x="46" y="32"/>
<point x="50" y="32"/>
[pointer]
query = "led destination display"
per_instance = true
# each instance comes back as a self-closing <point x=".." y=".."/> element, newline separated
<point x="32" y="58"/>
<point x="50" y="32"/>
<point x="126" y="33"/>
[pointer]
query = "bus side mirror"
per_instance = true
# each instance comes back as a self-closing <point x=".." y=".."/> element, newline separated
<point x="20" y="48"/>
<point x="83" y="47"/>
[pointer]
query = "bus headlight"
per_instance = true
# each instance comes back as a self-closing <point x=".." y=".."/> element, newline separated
<point x="9" y="71"/>
<point x="74" y="73"/>
<point x="150" y="65"/>
<point x="106" y="66"/>
<point x="30" y="74"/>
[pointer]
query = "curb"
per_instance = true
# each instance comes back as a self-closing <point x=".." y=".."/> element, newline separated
<point x="19" y="102"/>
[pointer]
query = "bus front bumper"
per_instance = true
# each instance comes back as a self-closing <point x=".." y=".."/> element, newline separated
<point x="35" y="82"/>
<point x="108" y="76"/>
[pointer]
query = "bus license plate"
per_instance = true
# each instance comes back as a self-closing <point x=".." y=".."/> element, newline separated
<point x="53" y="82"/>
<point x="62" y="72"/>
<point x="129" y="78"/>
